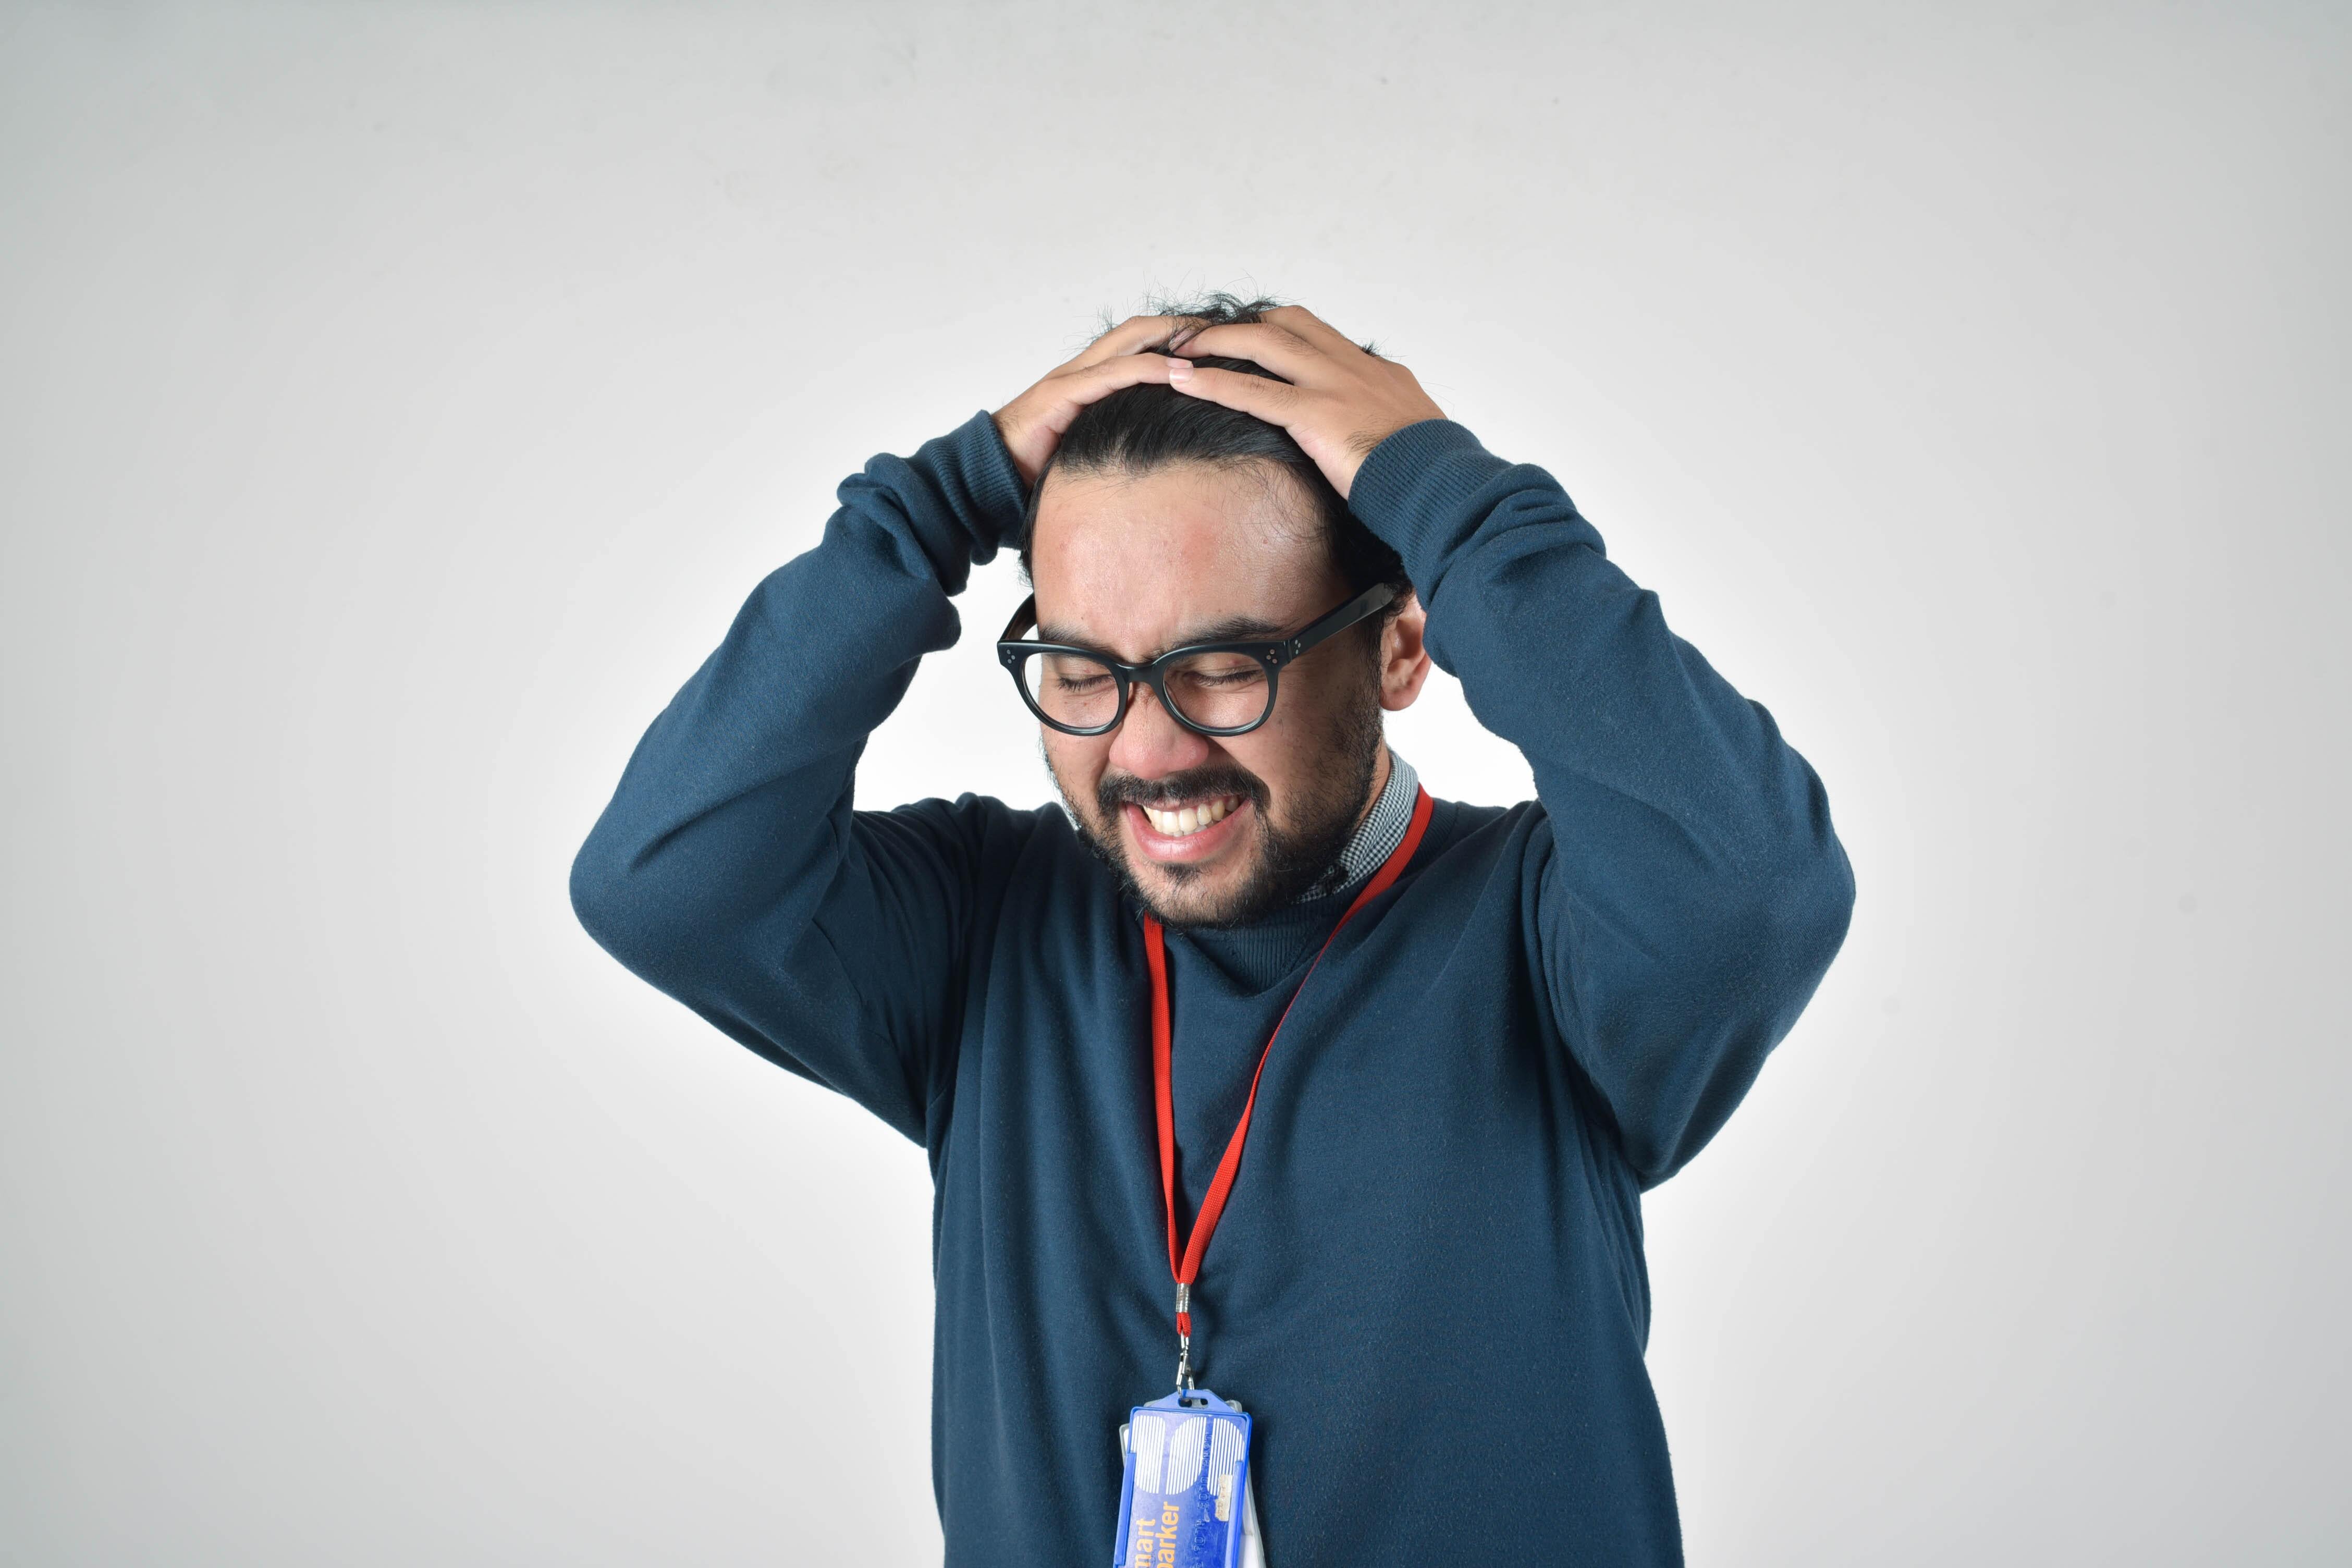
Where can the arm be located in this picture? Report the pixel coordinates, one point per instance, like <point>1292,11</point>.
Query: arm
<point>730,870</point>
<point>1690,892</point>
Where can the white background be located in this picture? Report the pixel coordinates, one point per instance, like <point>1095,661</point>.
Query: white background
<point>397,401</point>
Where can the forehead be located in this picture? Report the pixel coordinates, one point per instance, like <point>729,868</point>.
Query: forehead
<point>1140,563</point>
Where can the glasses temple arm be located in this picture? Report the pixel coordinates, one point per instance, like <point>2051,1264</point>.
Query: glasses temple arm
<point>1022,620</point>
<point>1376,597</point>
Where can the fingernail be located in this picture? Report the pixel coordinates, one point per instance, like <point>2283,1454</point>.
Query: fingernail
<point>1180,369</point>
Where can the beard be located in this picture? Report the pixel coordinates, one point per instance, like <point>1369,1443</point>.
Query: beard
<point>1290,855</point>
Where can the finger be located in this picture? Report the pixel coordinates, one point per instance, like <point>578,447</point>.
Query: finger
<point>1310,327</point>
<point>1091,383</point>
<point>1191,328</point>
<point>1315,330</point>
<point>1134,333</point>
<point>1280,351</point>
<point>1275,402</point>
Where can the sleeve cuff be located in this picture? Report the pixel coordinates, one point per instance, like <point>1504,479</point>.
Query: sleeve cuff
<point>993,496</point>
<point>1423,489</point>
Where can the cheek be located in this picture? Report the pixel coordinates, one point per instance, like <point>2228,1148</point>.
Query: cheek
<point>1078,763</point>
<point>1293,749</point>
<point>1282,750</point>
<point>1306,706</point>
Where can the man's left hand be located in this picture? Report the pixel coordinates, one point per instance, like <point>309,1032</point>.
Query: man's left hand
<point>1340,402</point>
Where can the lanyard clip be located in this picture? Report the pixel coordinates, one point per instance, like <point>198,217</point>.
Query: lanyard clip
<point>1183,1338</point>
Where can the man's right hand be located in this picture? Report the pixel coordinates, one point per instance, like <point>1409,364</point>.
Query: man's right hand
<point>1032,423</point>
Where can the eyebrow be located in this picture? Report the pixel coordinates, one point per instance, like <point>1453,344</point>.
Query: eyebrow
<point>1238,629</point>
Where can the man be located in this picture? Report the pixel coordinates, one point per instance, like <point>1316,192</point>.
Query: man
<point>1408,1063</point>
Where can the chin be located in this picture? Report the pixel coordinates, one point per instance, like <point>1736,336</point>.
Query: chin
<point>1177,892</point>
<point>1186,899</point>
<point>1183,895</point>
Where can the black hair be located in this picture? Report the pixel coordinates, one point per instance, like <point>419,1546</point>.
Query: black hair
<point>1138,429</point>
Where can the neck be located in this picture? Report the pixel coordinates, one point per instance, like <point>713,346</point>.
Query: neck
<point>1380,783</point>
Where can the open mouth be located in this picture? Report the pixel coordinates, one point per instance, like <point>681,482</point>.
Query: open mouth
<point>1186,820</point>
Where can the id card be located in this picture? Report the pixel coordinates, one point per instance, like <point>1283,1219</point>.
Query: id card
<point>1185,1501</point>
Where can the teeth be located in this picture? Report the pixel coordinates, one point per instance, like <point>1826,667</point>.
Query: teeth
<point>1191,819</point>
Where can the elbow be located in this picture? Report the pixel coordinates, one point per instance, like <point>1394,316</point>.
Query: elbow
<point>600,894</point>
<point>670,906</point>
<point>1825,878</point>
<point>621,907</point>
<point>1792,924</point>
<point>1796,891</point>
<point>1764,956</point>
<point>1797,897</point>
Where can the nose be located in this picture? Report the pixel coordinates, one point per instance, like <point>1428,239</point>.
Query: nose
<point>1150,744</point>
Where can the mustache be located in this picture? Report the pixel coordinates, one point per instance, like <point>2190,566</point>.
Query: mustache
<point>1115,789</point>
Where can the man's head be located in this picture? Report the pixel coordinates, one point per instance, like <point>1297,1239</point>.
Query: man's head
<point>1164,521</point>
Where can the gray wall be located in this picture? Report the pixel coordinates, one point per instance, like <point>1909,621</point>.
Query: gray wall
<point>395,403</point>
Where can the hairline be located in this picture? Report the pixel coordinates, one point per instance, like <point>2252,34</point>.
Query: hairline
<point>1275,476</point>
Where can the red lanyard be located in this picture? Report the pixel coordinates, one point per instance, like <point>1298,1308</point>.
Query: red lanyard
<point>1184,1262</point>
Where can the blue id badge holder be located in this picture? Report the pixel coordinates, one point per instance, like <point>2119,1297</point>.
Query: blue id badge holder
<point>1186,1500</point>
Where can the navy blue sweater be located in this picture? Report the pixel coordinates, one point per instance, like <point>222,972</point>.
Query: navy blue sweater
<point>1429,1287</point>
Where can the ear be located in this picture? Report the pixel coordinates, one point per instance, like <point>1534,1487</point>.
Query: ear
<point>1404,659</point>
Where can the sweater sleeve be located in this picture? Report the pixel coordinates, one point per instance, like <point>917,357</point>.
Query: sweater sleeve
<point>1689,892</point>
<point>730,868</point>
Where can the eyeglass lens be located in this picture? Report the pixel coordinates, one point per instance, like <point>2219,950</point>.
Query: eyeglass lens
<point>1214,690</point>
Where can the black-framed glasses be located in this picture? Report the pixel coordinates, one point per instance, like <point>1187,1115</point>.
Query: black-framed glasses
<point>1212,687</point>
